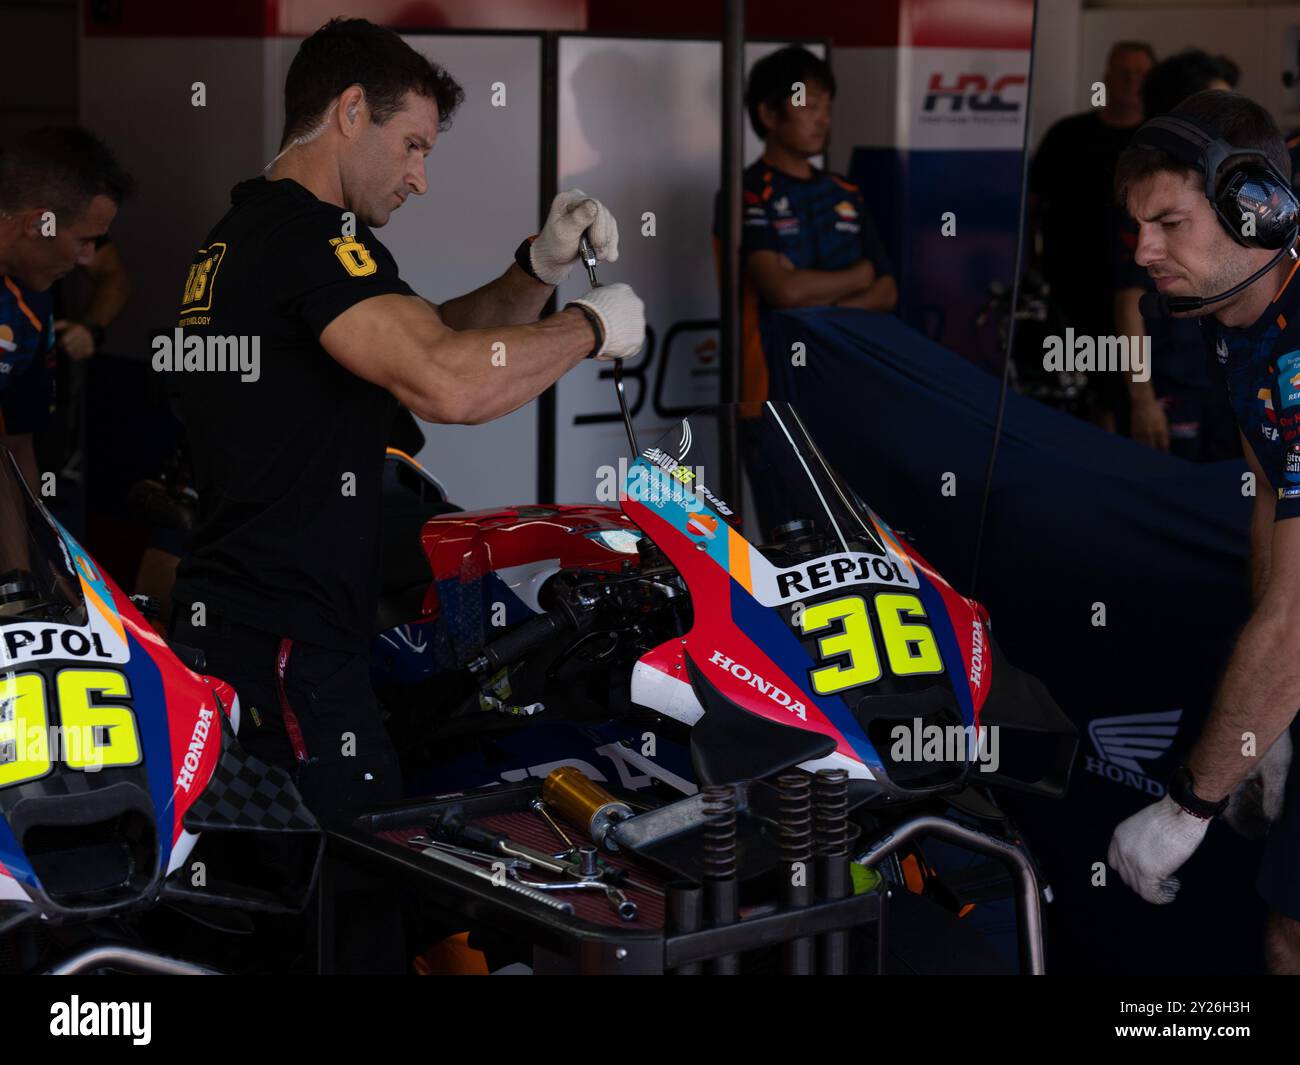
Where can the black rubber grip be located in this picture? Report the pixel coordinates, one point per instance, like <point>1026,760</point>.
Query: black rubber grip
<point>519,642</point>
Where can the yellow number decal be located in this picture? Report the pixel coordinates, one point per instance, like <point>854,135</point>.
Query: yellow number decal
<point>96,734</point>
<point>24,729</point>
<point>354,256</point>
<point>910,647</point>
<point>854,640</point>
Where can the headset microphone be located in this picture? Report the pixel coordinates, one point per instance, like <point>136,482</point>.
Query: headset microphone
<point>1158,305</point>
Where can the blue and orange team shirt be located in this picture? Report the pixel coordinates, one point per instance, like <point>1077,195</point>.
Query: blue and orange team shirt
<point>818,223</point>
<point>26,358</point>
<point>1261,365</point>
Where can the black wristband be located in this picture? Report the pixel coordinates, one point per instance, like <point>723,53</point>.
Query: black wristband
<point>593,320</point>
<point>523,256</point>
<point>1182,791</point>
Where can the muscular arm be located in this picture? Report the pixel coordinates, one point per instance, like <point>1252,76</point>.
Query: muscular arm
<point>514,298</point>
<point>781,285</point>
<point>402,344</point>
<point>1261,687</point>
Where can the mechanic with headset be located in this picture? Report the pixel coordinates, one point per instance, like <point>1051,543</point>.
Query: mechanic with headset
<point>1209,185</point>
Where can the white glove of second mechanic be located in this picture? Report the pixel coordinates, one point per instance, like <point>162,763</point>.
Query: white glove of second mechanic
<point>1148,848</point>
<point>619,316</point>
<point>554,252</point>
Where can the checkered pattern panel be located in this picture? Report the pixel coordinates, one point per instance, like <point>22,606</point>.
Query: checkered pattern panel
<point>246,793</point>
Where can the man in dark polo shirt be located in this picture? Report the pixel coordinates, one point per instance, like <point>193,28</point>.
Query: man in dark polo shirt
<point>807,237</point>
<point>1235,258</point>
<point>296,346</point>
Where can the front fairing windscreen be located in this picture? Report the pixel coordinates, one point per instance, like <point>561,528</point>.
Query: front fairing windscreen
<point>37,578</point>
<point>815,581</point>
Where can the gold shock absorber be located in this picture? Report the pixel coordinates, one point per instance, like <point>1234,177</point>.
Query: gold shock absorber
<point>584,803</point>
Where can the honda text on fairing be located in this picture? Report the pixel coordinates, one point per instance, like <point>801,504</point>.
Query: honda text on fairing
<point>119,765</point>
<point>828,642</point>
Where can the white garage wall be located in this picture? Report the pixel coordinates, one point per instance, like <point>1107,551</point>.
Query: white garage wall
<point>641,128</point>
<point>136,94</point>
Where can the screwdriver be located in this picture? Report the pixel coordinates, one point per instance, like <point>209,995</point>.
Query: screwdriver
<point>588,256</point>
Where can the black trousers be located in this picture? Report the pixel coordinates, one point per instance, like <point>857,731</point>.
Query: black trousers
<point>312,711</point>
<point>308,709</point>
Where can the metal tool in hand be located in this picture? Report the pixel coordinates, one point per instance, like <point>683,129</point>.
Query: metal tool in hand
<point>588,256</point>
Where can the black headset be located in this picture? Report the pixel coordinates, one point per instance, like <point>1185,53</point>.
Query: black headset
<point>1253,188</point>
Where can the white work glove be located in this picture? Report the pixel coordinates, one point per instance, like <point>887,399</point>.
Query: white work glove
<point>621,315</point>
<point>1256,802</point>
<point>555,251</point>
<point>1148,848</point>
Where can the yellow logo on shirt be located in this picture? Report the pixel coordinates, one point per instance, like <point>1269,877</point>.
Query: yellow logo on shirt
<point>202,279</point>
<point>353,255</point>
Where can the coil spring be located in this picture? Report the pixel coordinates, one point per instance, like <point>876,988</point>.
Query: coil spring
<point>794,803</point>
<point>831,811</point>
<point>719,832</point>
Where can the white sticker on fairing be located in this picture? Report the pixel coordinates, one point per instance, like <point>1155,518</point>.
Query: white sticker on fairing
<point>22,643</point>
<point>774,586</point>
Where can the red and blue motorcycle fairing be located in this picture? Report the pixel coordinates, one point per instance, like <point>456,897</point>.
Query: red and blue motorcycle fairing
<point>116,760</point>
<point>786,662</point>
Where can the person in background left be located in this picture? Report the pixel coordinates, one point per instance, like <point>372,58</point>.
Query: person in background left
<point>60,189</point>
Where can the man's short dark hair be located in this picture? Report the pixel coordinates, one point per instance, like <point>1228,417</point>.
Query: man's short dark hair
<point>1131,46</point>
<point>771,78</point>
<point>1229,116</point>
<point>353,51</point>
<point>59,169</point>
<point>1173,80</point>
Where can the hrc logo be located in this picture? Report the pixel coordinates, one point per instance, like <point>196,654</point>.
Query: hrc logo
<point>202,279</point>
<point>975,91</point>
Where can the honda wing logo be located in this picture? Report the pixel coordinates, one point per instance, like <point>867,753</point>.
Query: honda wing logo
<point>1123,743</point>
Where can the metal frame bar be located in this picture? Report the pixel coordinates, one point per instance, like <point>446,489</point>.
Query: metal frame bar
<point>140,961</point>
<point>1029,923</point>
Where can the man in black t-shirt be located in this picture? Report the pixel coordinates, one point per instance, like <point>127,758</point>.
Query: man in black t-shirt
<point>1071,184</point>
<point>296,343</point>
